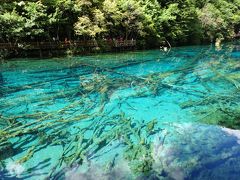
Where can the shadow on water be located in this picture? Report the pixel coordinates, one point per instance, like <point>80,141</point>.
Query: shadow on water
<point>4,176</point>
<point>36,171</point>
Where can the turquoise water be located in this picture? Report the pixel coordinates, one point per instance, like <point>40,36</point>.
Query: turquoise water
<point>134,115</point>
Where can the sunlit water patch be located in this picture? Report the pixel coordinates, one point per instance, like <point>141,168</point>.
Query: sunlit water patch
<point>136,115</point>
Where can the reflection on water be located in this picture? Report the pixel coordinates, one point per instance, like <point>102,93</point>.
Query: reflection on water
<point>145,115</point>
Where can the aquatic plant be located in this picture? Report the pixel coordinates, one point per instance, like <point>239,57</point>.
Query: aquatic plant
<point>223,108</point>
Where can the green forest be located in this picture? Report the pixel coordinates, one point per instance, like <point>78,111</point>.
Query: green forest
<point>179,22</point>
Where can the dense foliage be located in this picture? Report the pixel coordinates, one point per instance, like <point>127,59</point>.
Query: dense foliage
<point>151,21</point>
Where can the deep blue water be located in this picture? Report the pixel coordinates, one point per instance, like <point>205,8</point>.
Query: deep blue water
<point>135,115</point>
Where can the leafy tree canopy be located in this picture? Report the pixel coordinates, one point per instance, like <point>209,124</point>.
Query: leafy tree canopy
<point>151,21</point>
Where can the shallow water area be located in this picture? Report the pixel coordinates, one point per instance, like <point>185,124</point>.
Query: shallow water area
<point>135,115</point>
